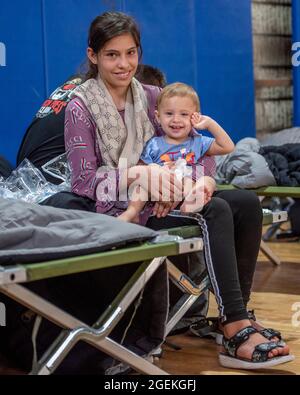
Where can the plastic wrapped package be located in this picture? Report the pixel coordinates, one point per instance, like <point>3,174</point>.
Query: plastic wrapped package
<point>58,168</point>
<point>27,183</point>
<point>181,169</point>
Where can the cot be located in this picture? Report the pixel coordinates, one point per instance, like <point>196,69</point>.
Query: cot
<point>270,191</point>
<point>151,254</point>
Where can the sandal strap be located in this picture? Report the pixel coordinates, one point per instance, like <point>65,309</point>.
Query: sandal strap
<point>269,333</point>
<point>205,326</point>
<point>261,351</point>
<point>232,344</point>
<point>251,315</point>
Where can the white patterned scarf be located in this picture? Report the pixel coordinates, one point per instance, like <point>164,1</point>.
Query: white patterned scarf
<point>117,140</point>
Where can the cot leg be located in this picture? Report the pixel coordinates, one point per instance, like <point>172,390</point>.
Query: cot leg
<point>269,253</point>
<point>55,355</point>
<point>191,291</point>
<point>94,336</point>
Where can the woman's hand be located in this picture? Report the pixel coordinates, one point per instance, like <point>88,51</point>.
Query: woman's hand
<point>162,209</point>
<point>159,182</point>
<point>199,195</point>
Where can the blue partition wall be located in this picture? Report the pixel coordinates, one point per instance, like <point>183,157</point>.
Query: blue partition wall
<point>206,43</point>
<point>22,79</point>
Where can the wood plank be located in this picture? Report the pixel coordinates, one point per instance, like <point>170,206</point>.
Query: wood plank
<point>273,114</point>
<point>271,19</point>
<point>273,2</point>
<point>272,51</point>
<point>282,279</point>
<point>269,72</point>
<point>272,29</point>
<point>272,93</point>
<point>273,82</point>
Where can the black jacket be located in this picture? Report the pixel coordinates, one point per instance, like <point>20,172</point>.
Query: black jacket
<point>284,162</point>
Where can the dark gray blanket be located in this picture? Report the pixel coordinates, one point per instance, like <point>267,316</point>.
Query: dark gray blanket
<point>33,233</point>
<point>284,163</point>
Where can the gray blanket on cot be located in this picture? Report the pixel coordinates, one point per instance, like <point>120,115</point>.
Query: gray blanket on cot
<point>33,233</point>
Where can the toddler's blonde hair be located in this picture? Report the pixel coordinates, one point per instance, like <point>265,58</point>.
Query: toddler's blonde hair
<point>178,89</point>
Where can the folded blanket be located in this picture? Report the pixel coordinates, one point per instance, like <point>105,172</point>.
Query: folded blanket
<point>244,167</point>
<point>33,233</point>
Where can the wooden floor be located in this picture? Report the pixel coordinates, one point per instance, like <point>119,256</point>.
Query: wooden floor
<point>276,292</point>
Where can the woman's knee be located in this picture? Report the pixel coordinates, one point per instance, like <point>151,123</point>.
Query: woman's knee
<point>249,199</point>
<point>71,201</point>
<point>219,204</point>
<point>219,207</point>
<point>249,203</point>
<point>244,202</point>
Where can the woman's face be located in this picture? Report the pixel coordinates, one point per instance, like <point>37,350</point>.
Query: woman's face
<point>117,61</point>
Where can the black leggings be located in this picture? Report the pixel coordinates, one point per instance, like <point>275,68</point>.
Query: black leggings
<point>231,224</point>
<point>247,219</point>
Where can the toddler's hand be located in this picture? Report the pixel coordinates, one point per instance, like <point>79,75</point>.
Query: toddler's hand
<point>200,122</point>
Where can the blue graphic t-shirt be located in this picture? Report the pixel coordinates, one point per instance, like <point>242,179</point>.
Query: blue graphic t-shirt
<point>157,150</point>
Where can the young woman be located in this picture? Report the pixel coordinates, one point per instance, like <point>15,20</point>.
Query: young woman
<point>107,124</point>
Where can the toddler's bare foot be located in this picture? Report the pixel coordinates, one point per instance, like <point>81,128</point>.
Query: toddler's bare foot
<point>125,217</point>
<point>128,217</point>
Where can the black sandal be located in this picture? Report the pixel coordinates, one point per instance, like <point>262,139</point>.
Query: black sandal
<point>260,358</point>
<point>209,327</point>
<point>206,327</point>
<point>268,333</point>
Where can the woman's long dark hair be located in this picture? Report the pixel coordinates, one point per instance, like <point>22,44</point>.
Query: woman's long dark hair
<point>107,26</point>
